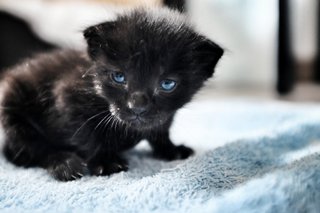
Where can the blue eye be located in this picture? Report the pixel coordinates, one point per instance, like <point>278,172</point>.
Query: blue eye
<point>168,85</point>
<point>118,77</point>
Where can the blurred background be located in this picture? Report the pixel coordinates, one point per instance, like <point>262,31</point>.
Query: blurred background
<point>271,45</point>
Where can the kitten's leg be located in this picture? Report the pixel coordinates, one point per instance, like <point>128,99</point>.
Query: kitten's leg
<point>19,153</point>
<point>24,116</point>
<point>61,165</point>
<point>107,165</point>
<point>26,145</point>
<point>65,166</point>
<point>163,148</point>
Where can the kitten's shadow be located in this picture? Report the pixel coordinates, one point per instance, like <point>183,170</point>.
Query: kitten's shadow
<point>142,163</point>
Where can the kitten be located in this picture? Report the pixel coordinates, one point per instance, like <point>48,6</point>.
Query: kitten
<point>74,112</point>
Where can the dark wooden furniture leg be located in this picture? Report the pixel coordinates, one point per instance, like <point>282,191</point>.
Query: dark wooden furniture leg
<point>286,73</point>
<point>175,4</point>
<point>317,67</point>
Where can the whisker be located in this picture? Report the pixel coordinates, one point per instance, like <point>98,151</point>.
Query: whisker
<point>89,119</point>
<point>102,120</point>
<point>108,120</point>
<point>19,152</point>
<point>105,123</point>
<point>112,122</point>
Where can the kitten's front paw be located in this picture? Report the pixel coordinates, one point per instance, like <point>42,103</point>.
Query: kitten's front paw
<point>70,168</point>
<point>178,152</point>
<point>109,167</point>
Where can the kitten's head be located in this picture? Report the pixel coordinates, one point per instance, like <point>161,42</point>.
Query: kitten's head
<point>149,64</point>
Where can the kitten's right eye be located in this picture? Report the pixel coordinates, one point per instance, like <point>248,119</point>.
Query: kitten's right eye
<point>118,77</point>
<point>167,85</point>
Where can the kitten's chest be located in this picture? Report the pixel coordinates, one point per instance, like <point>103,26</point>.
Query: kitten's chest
<point>122,139</point>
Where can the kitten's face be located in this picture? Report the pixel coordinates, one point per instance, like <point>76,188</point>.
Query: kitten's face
<point>141,99</point>
<point>147,72</point>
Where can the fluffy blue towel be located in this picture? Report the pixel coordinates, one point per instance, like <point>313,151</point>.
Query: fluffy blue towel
<point>251,157</point>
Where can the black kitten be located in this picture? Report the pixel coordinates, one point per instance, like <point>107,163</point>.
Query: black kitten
<point>72,112</point>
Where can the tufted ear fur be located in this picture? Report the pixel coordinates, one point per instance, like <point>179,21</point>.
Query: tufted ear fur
<point>97,37</point>
<point>207,55</point>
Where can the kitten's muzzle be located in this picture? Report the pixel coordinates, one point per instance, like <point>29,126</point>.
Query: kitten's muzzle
<point>138,110</point>
<point>139,103</point>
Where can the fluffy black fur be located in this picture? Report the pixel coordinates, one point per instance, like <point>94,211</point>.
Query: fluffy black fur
<point>63,111</point>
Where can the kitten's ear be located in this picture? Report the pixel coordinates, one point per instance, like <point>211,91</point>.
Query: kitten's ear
<point>97,37</point>
<point>208,54</point>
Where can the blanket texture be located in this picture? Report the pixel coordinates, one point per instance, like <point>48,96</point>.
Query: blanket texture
<point>250,157</point>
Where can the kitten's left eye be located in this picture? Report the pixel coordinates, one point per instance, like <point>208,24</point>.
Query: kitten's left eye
<point>168,85</point>
<point>118,77</point>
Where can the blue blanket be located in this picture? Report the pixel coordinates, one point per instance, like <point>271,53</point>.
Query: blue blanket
<point>250,157</point>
